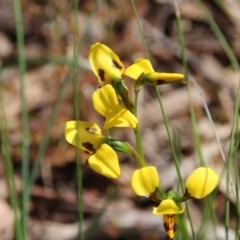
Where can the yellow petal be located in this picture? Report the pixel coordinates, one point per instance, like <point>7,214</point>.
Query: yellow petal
<point>140,66</point>
<point>84,135</point>
<point>201,182</point>
<point>105,102</point>
<point>169,223</point>
<point>163,78</point>
<point>167,206</point>
<point>145,181</point>
<point>120,117</point>
<point>105,63</point>
<point>105,162</point>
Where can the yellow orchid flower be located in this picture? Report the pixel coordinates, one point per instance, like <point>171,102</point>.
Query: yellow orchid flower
<point>106,103</point>
<point>143,66</point>
<point>87,137</point>
<point>105,64</point>
<point>145,181</point>
<point>201,182</point>
<point>168,208</point>
<point>108,68</point>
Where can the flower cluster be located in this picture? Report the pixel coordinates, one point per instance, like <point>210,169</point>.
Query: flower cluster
<point>113,101</point>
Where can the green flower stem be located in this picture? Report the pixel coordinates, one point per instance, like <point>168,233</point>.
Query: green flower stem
<point>137,130</point>
<point>174,155</point>
<point>170,139</point>
<point>139,142</point>
<point>140,161</point>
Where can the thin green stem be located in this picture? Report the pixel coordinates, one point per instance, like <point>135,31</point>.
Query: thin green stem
<point>76,100</point>
<point>76,96</point>
<point>170,140</point>
<point>208,214</point>
<point>163,113</point>
<point>183,226</point>
<point>139,141</point>
<point>60,60</point>
<point>185,65</point>
<point>97,219</point>
<point>175,159</point>
<point>10,182</point>
<point>215,28</point>
<point>135,102</point>
<point>137,130</point>
<point>24,113</point>
<point>140,30</point>
<point>192,113</point>
<point>46,137</point>
<point>236,167</point>
<point>8,166</point>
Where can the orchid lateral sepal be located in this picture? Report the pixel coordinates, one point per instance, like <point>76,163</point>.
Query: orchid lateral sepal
<point>151,77</point>
<point>122,91</point>
<point>155,78</point>
<point>201,182</point>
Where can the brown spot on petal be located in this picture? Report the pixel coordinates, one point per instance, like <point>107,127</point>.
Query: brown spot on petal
<point>88,146</point>
<point>170,225</point>
<point>161,82</point>
<point>101,74</point>
<point>91,130</point>
<point>115,64</point>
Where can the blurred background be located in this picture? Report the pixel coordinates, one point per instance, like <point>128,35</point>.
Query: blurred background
<point>50,29</point>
